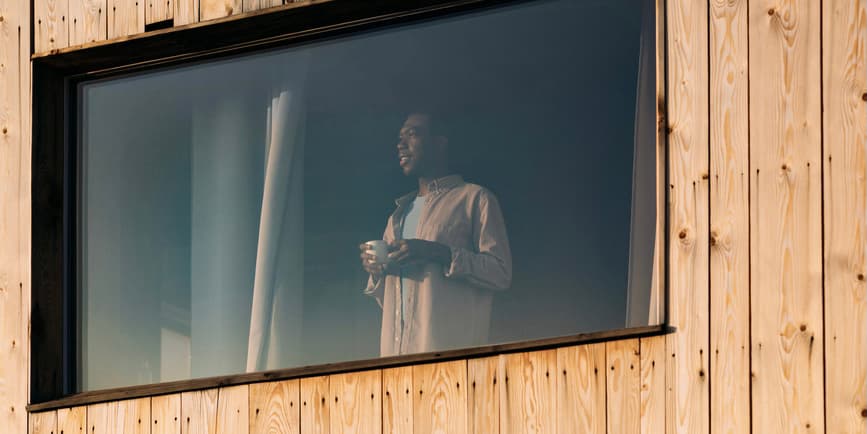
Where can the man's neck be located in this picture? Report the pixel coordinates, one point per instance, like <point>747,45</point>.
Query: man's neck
<point>424,181</point>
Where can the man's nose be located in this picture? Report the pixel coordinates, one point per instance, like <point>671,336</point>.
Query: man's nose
<point>401,144</point>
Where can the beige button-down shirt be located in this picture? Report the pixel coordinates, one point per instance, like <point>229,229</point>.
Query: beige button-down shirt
<point>446,308</point>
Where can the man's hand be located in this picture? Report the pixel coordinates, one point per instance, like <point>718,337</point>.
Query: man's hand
<point>414,251</point>
<point>369,263</point>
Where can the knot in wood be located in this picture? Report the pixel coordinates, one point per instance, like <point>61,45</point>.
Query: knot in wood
<point>771,11</point>
<point>864,412</point>
<point>682,234</point>
<point>863,95</point>
<point>803,327</point>
<point>861,276</point>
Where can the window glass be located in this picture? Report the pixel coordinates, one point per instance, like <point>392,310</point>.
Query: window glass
<point>504,159</point>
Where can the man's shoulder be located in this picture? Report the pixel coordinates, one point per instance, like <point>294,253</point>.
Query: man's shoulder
<point>471,190</point>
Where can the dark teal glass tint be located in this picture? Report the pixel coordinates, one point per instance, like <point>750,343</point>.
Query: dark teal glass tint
<point>222,204</point>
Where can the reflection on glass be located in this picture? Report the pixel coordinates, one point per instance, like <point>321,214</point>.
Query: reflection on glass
<point>478,179</point>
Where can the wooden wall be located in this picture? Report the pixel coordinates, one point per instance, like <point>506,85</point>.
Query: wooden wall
<point>767,129</point>
<point>566,390</point>
<point>60,24</point>
<point>14,213</point>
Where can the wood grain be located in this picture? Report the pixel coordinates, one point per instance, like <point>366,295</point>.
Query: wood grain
<point>100,417</point>
<point>87,21</point>
<point>212,9</point>
<point>623,386</point>
<point>159,10</point>
<point>253,5</point>
<point>440,398</point>
<point>166,414</point>
<point>130,416</point>
<point>688,391</point>
<point>729,218</point>
<point>233,410</point>
<point>785,217</point>
<point>185,12</point>
<point>125,17</point>
<point>275,407</point>
<point>357,402</point>
<point>315,406</point>
<point>581,388</point>
<point>483,412</point>
<point>14,213</point>
<point>72,420</point>
<point>397,394</point>
<point>652,384</point>
<point>43,423</point>
<point>199,412</point>
<point>51,31</point>
<point>844,71</point>
<point>529,393</point>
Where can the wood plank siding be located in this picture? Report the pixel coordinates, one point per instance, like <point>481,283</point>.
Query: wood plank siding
<point>763,116</point>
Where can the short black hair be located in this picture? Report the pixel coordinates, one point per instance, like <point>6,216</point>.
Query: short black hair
<point>438,121</point>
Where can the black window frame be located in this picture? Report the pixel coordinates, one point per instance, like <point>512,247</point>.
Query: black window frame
<point>56,75</point>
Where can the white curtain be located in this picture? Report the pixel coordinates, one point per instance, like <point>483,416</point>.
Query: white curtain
<point>226,158</point>
<point>276,314</point>
<point>642,309</point>
<point>247,217</point>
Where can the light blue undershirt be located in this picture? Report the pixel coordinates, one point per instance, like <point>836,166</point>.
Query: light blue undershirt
<point>410,225</point>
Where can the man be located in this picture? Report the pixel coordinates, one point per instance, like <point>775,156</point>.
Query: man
<point>448,252</point>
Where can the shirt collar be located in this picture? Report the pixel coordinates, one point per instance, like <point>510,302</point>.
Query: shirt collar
<point>436,186</point>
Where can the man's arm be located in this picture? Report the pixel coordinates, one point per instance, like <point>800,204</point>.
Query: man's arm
<point>489,264</point>
<point>376,281</point>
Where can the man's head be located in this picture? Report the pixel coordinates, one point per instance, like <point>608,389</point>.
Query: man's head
<point>423,145</point>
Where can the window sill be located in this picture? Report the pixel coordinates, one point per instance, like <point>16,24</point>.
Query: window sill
<point>97,396</point>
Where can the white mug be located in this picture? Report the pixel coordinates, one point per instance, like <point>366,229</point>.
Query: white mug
<point>379,249</point>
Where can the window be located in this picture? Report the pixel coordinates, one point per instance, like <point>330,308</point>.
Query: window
<point>506,156</point>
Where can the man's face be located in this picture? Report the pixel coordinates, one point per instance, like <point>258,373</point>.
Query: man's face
<point>415,145</point>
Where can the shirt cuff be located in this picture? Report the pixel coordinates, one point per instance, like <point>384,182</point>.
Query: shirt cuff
<point>372,285</point>
<point>458,266</point>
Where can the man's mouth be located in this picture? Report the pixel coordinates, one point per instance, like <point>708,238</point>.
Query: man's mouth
<point>404,159</point>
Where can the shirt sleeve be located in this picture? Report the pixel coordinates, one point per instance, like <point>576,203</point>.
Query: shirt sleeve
<point>489,264</point>
<point>376,286</point>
